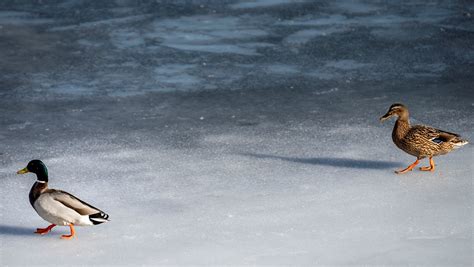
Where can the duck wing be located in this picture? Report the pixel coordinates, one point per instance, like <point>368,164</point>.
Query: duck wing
<point>73,202</point>
<point>434,135</point>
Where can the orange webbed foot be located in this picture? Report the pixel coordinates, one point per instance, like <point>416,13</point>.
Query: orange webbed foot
<point>43,231</point>
<point>429,168</point>
<point>409,168</point>
<point>73,233</point>
<point>67,237</point>
<point>403,171</point>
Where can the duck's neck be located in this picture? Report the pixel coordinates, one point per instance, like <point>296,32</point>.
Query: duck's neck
<point>401,128</point>
<point>36,190</point>
<point>42,176</point>
<point>39,186</point>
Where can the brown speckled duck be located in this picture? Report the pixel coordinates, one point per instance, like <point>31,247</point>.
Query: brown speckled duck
<point>419,140</point>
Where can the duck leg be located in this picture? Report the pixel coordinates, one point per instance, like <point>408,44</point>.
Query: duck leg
<point>73,233</point>
<point>409,168</point>
<point>429,168</point>
<point>46,230</point>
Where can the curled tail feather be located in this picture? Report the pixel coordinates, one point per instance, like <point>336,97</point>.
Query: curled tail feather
<point>99,217</point>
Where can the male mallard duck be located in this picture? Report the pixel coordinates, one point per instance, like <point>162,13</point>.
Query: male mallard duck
<point>419,140</point>
<point>59,207</point>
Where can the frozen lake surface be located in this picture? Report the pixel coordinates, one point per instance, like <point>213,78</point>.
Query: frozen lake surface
<point>238,132</point>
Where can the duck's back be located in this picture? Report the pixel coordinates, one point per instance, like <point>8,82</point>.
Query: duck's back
<point>62,208</point>
<point>424,141</point>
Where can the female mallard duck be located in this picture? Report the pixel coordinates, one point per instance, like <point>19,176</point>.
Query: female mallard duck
<point>59,207</point>
<point>419,140</point>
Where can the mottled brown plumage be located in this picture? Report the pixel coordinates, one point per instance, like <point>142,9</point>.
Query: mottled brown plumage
<point>419,140</point>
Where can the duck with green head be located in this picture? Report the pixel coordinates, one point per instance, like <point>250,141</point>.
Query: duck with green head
<point>419,140</point>
<point>59,207</point>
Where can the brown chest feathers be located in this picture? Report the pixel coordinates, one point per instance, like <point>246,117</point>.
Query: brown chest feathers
<point>36,190</point>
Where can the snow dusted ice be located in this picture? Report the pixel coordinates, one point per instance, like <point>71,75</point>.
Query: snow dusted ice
<point>238,132</point>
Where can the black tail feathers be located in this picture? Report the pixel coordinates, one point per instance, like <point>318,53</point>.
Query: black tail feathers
<point>98,218</point>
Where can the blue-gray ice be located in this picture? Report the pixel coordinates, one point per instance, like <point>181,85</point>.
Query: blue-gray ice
<point>236,132</point>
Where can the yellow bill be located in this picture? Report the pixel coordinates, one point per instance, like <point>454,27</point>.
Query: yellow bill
<point>23,171</point>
